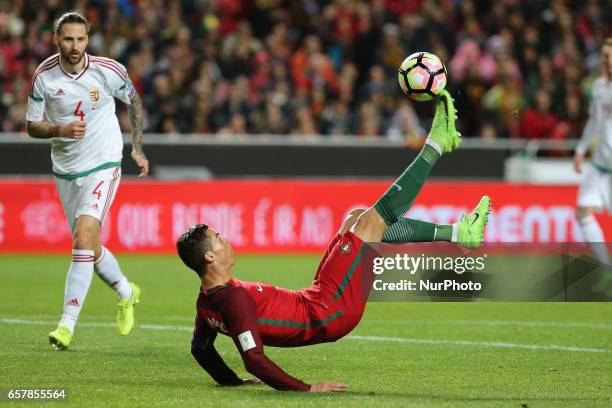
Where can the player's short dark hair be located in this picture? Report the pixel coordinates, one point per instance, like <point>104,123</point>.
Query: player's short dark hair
<point>192,246</point>
<point>70,18</point>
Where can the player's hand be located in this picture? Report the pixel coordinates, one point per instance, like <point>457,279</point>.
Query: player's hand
<point>578,159</point>
<point>74,130</point>
<point>142,162</point>
<point>328,386</point>
<point>251,381</point>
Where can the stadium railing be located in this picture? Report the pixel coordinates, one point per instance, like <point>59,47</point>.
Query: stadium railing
<point>207,156</point>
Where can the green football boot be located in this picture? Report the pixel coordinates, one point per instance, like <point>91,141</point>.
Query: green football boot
<point>60,338</point>
<point>471,227</point>
<point>443,133</point>
<point>125,311</point>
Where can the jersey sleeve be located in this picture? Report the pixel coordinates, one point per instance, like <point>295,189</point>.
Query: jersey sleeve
<point>119,82</point>
<point>240,317</point>
<point>203,350</point>
<point>203,337</point>
<point>36,101</point>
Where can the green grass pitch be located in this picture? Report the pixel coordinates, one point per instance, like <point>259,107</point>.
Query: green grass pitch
<point>402,354</point>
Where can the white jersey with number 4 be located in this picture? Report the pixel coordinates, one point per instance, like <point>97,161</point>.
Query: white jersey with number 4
<point>599,126</point>
<point>88,96</point>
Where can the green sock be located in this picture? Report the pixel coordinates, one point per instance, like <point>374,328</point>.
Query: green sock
<point>409,230</point>
<point>402,193</point>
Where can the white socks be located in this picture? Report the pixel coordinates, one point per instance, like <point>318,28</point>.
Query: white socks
<point>594,236</point>
<point>77,284</point>
<point>108,270</point>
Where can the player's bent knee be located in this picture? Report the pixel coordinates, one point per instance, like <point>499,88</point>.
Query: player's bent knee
<point>370,226</point>
<point>369,219</point>
<point>350,220</point>
<point>83,240</point>
<point>86,234</point>
<point>356,212</point>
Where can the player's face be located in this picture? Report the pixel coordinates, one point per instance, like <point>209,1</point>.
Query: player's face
<point>221,247</point>
<point>72,40</point>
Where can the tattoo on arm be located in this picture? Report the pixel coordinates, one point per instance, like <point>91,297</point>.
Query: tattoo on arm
<point>136,112</point>
<point>42,130</point>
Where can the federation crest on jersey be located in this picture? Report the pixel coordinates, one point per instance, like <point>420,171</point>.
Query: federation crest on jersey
<point>345,247</point>
<point>94,94</point>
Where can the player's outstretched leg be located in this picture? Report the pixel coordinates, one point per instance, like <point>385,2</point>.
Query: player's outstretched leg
<point>471,227</point>
<point>411,230</point>
<point>443,131</point>
<point>107,268</point>
<point>443,138</point>
<point>468,232</point>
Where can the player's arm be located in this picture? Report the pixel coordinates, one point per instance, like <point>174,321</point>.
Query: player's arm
<point>39,128</point>
<point>241,319</point>
<point>238,310</point>
<point>587,137</point>
<point>123,89</point>
<point>136,112</point>
<point>45,130</point>
<point>204,352</point>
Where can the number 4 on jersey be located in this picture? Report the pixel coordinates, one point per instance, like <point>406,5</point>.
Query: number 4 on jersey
<point>78,112</point>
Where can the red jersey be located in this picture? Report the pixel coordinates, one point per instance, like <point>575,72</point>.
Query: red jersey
<point>284,318</point>
<point>258,314</point>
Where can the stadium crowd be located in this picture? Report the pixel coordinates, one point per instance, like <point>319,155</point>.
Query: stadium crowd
<point>518,68</point>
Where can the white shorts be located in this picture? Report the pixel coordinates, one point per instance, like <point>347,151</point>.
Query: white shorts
<point>595,189</point>
<point>91,195</point>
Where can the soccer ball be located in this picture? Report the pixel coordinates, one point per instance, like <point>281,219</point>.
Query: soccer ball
<point>422,76</point>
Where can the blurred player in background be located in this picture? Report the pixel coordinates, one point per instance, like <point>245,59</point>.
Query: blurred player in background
<point>594,192</point>
<point>258,314</point>
<point>71,101</point>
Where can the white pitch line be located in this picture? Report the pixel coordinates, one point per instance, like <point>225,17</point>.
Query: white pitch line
<point>480,344</point>
<point>92,324</point>
<point>518,323</point>
<point>362,338</point>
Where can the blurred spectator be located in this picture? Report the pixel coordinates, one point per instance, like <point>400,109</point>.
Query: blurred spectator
<point>538,122</point>
<point>369,122</point>
<point>311,67</point>
<point>236,126</point>
<point>504,100</point>
<point>336,119</point>
<point>329,67</point>
<point>488,131</point>
<point>405,126</point>
<point>305,124</point>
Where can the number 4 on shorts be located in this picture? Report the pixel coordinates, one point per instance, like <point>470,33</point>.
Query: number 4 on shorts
<point>96,191</point>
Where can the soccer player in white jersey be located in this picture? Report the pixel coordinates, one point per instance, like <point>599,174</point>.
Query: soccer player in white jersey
<point>71,102</point>
<point>594,192</point>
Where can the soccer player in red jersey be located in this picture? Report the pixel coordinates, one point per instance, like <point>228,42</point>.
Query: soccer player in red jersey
<point>258,314</point>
